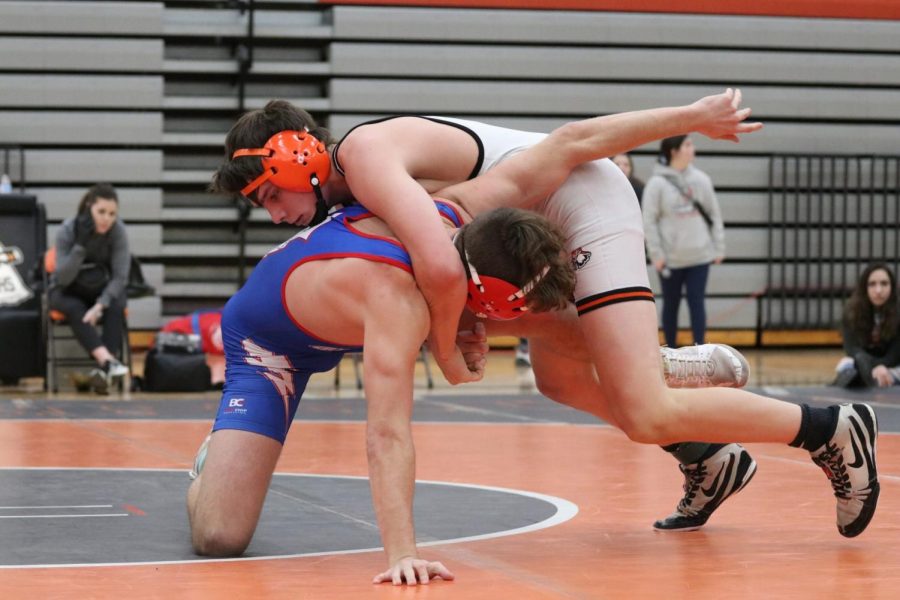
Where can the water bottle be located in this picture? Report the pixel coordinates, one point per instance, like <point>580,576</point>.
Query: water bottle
<point>5,184</point>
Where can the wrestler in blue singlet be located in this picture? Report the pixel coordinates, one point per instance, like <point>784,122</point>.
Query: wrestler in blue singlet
<point>269,357</point>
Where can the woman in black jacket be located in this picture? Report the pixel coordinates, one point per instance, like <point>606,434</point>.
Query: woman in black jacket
<point>869,328</point>
<point>92,263</point>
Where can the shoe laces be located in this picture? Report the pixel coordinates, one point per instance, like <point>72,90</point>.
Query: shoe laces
<point>831,460</point>
<point>688,368</point>
<point>694,475</point>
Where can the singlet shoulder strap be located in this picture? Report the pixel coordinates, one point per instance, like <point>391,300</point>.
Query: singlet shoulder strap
<point>340,169</point>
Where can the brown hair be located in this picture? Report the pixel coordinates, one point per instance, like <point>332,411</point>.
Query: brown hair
<point>668,147</point>
<point>99,190</point>
<point>515,245</point>
<point>253,130</point>
<point>859,312</point>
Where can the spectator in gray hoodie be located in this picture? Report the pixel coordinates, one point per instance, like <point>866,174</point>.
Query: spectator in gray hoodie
<point>684,233</point>
<point>89,280</point>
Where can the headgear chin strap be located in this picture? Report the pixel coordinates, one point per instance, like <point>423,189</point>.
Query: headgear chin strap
<point>494,298</point>
<point>321,207</point>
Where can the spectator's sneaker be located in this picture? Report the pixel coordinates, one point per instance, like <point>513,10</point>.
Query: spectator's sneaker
<point>707,365</point>
<point>115,369</point>
<point>199,459</point>
<point>707,484</point>
<point>100,381</point>
<point>848,460</point>
<point>110,373</point>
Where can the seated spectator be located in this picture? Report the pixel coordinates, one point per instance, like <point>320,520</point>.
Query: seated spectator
<point>207,324</point>
<point>89,279</point>
<point>625,162</point>
<point>869,328</point>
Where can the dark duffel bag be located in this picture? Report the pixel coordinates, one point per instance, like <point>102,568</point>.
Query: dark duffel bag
<point>176,372</point>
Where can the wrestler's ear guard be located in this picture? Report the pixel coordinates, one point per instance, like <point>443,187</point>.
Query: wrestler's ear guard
<point>295,161</point>
<point>495,298</point>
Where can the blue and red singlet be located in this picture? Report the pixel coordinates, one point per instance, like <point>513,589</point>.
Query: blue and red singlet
<point>269,357</point>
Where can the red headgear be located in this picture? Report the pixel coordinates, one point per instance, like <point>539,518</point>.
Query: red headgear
<point>294,160</point>
<point>494,298</point>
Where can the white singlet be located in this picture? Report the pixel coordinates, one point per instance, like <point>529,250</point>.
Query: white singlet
<point>597,210</point>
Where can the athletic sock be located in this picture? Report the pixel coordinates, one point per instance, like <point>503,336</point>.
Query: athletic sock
<point>817,425</point>
<point>688,453</point>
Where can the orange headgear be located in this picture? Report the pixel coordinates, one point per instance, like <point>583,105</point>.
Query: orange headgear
<point>294,160</point>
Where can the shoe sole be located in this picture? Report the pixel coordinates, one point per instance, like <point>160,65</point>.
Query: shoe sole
<point>742,363</point>
<point>870,421</point>
<point>751,471</point>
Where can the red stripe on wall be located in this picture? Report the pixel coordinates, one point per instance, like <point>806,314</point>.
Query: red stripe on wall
<point>850,9</point>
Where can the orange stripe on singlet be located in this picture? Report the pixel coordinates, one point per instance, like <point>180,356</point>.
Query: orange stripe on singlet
<point>613,299</point>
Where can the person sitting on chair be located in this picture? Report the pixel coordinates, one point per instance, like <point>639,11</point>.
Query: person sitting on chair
<point>89,280</point>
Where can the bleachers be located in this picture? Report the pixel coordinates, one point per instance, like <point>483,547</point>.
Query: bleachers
<point>81,18</point>
<point>142,93</point>
<point>81,92</point>
<point>611,29</point>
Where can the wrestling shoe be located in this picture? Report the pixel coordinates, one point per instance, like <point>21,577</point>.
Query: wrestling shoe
<point>707,365</point>
<point>848,460</point>
<point>707,484</point>
<point>199,458</point>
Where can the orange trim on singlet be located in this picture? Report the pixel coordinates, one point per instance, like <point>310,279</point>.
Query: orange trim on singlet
<point>855,9</point>
<point>639,295</point>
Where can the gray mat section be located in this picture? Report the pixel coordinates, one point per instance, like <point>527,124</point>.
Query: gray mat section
<point>303,514</point>
<point>449,408</point>
<point>494,408</point>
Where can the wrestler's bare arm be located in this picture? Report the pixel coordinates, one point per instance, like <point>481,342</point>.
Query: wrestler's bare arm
<point>530,176</point>
<point>396,324</point>
<point>378,306</point>
<point>383,162</point>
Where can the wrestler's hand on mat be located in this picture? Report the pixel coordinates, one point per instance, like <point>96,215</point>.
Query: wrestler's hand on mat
<point>722,118</point>
<point>473,344</point>
<point>411,571</point>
